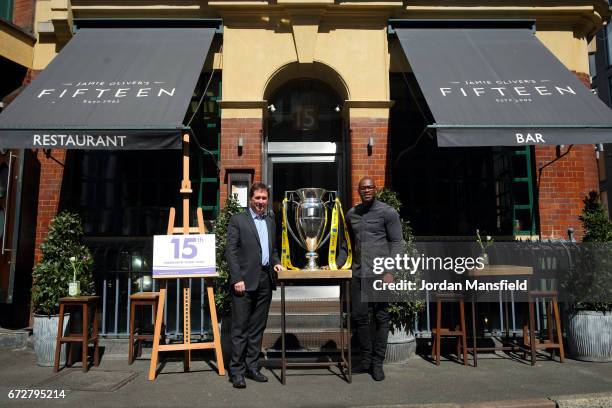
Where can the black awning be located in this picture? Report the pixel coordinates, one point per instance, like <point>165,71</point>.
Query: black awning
<point>501,87</point>
<point>111,88</point>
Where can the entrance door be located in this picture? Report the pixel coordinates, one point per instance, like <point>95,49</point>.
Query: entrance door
<point>8,168</point>
<point>304,148</point>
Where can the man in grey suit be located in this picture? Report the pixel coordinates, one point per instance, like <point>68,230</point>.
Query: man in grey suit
<point>253,261</point>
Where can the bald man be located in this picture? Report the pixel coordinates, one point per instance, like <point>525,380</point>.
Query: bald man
<point>371,222</point>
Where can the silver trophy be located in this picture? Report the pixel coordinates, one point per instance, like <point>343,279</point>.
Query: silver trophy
<point>310,219</point>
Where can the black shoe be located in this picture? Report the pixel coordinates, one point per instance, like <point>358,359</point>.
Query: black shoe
<point>238,381</point>
<point>256,375</point>
<point>377,373</point>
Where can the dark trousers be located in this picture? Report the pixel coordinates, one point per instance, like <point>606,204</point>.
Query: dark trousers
<point>249,317</point>
<point>373,345</point>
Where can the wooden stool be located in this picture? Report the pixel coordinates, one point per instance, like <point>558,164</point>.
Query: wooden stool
<point>140,299</point>
<point>84,302</point>
<point>530,342</point>
<point>439,331</point>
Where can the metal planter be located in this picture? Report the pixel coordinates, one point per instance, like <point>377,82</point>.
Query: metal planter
<point>45,337</point>
<point>401,346</point>
<point>590,336</point>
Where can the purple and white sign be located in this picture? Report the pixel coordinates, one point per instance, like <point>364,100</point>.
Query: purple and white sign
<point>186,256</point>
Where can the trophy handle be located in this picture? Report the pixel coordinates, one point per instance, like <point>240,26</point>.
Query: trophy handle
<point>324,241</point>
<point>328,204</point>
<point>292,203</point>
<point>332,197</point>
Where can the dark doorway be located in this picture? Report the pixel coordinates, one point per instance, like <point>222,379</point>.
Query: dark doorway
<point>305,147</point>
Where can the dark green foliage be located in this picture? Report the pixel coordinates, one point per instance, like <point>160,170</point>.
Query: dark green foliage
<point>590,281</point>
<point>402,312</point>
<point>51,276</point>
<point>222,285</point>
<point>390,198</point>
<point>595,222</point>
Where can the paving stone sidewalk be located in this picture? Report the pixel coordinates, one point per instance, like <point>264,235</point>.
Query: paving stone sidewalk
<point>496,382</point>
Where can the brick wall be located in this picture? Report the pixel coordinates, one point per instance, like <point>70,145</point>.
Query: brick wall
<point>365,162</point>
<point>49,188</point>
<point>250,130</point>
<point>584,78</point>
<point>23,13</point>
<point>30,75</point>
<point>564,184</point>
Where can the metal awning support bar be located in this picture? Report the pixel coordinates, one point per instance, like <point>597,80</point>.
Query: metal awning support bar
<point>461,23</point>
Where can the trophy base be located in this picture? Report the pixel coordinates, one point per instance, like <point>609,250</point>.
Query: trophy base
<point>312,264</point>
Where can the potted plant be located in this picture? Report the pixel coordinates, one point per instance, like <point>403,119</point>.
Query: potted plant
<point>74,286</point>
<point>588,284</point>
<point>64,259</point>
<point>401,344</point>
<point>223,299</point>
<point>484,244</point>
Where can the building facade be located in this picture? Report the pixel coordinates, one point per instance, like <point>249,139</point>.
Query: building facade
<point>599,64</point>
<point>303,93</point>
<point>17,41</point>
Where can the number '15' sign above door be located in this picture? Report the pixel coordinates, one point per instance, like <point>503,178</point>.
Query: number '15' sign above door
<point>306,118</point>
<point>184,256</point>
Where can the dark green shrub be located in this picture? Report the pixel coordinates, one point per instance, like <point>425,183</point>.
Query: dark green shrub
<point>595,222</point>
<point>590,281</point>
<point>222,286</point>
<point>52,274</point>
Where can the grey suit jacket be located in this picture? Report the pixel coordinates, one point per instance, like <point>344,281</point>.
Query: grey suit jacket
<point>243,251</point>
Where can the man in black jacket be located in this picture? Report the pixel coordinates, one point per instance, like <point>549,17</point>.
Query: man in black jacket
<point>376,225</point>
<point>253,261</point>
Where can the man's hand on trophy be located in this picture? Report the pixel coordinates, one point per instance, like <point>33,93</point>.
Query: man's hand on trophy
<point>239,287</point>
<point>278,268</point>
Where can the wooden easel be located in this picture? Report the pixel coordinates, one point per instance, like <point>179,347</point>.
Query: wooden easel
<point>187,345</point>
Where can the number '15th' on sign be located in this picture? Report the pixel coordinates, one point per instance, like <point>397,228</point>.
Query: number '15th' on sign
<point>184,256</point>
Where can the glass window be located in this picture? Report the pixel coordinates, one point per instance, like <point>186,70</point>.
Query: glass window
<point>129,193</point>
<point>6,10</point>
<point>305,110</point>
<point>4,170</point>
<point>592,66</point>
<point>451,192</point>
<point>124,193</point>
